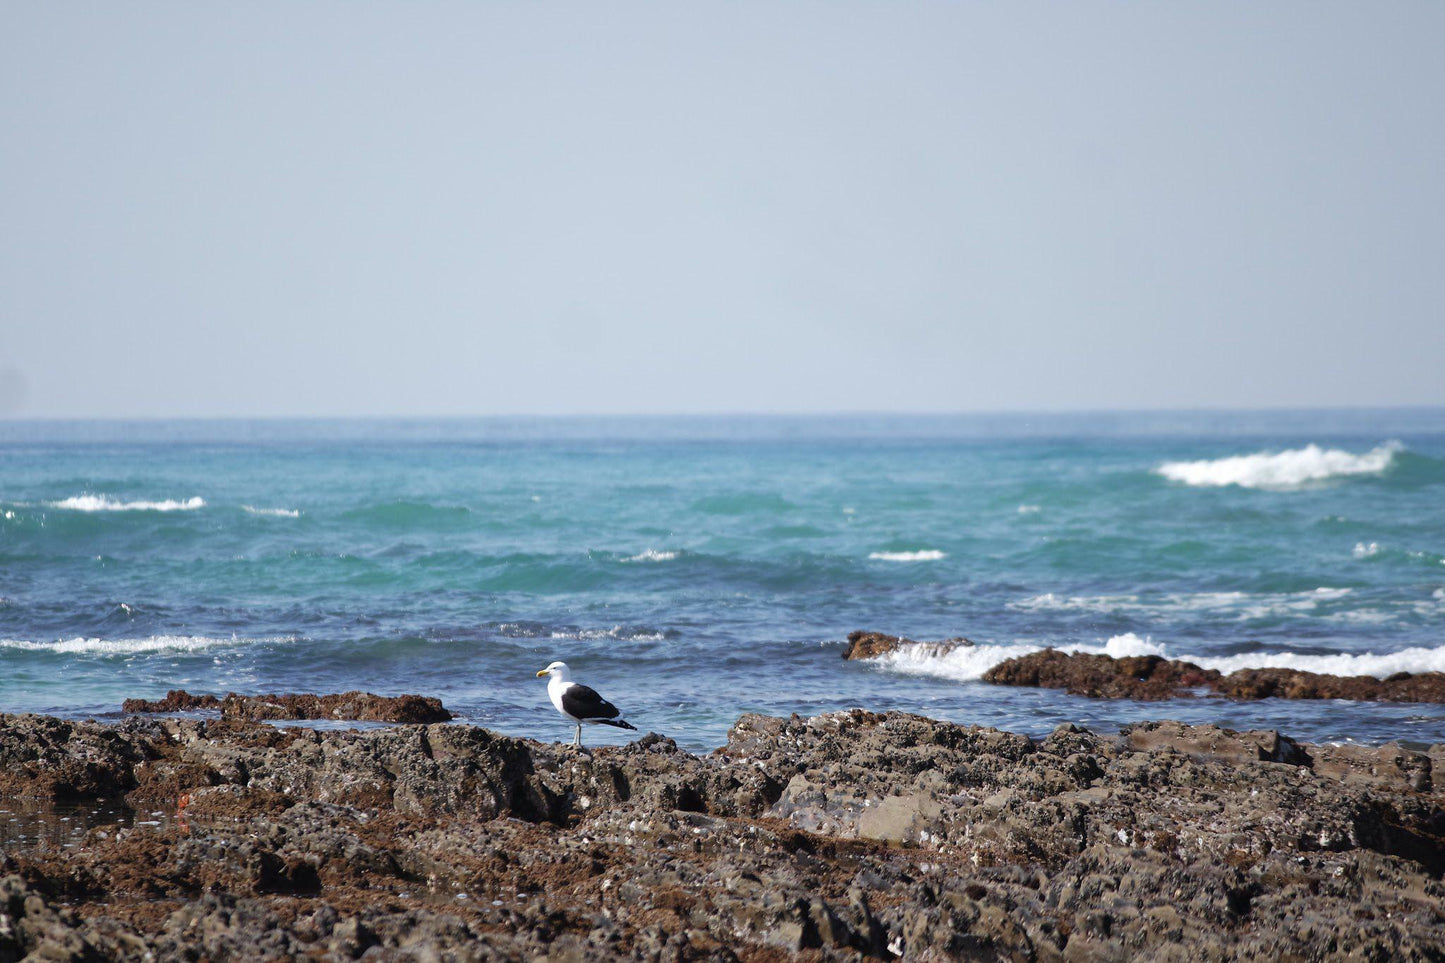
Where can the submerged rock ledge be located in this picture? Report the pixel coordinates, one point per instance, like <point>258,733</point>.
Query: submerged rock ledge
<point>847,835</point>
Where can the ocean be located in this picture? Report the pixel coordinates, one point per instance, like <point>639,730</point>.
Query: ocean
<point>696,568</point>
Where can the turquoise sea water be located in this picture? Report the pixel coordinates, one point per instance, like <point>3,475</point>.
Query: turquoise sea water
<point>693,569</point>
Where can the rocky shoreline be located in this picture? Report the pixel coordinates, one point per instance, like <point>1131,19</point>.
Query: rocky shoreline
<point>842,836</point>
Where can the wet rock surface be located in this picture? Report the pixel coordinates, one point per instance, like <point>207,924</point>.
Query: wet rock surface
<point>1102,676</point>
<point>845,836</point>
<point>1150,677</point>
<point>1296,684</point>
<point>347,706</point>
<point>870,645</point>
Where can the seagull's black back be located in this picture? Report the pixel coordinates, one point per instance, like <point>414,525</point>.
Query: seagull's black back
<point>582,702</point>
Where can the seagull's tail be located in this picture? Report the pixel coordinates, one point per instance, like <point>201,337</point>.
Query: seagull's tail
<point>619,723</point>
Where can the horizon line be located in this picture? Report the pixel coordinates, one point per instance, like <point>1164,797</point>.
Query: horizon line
<point>718,415</point>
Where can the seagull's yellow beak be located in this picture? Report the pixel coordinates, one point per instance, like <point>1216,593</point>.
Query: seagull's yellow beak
<point>542,673</point>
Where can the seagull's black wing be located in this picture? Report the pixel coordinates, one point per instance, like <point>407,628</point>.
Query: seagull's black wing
<point>581,702</point>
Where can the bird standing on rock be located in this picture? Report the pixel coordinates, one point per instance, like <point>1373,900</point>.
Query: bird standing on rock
<point>580,703</point>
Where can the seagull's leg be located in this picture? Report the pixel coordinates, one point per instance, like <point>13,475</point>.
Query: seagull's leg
<point>578,743</point>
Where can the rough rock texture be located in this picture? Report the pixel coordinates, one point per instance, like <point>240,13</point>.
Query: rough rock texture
<point>1294,684</point>
<point>1102,676</point>
<point>349,706</point>
<point>844,836</point>
<point>870,645</point>
<point>1152,677</point>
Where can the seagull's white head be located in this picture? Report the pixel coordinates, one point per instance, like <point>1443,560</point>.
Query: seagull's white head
<point>557,670</point>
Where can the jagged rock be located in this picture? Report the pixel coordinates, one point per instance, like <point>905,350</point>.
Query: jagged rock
<point>1101,676</point>
<point>1152,677</point>
<point>1295,684</point>
<point>848,834</point>
<point>870,645</point>
<point>349,706</point>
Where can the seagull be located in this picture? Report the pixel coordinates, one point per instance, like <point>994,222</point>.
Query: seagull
<point>579,703</point>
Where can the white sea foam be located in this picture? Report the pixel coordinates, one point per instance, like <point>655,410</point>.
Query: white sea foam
<point>967,663</point>
<point>154,643</point>
<point>619,632</point>
<point>1282,470</point>
<point>1242,605</point>
<point>1417,659</point>
<point>1029,509</point>
<point>104,503</point>
<point>926,555</point>
<point>275,512</point>
<point>1361,550</point>
<point>651,555</point>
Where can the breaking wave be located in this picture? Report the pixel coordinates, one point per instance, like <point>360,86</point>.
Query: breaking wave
<point>1241,605</point>
<point>652,555</point>
<point>104,503</point>
<point>1282,470</point>
<point>968,663</point>
<point>154,643</point>
<point>276,512</point>
<point>926,555</point>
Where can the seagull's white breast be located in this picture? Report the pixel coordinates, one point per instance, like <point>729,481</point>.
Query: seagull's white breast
<point>555,688</point>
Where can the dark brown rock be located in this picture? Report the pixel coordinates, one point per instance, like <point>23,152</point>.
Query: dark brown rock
<point>1295,684</point>
<point>1152,677</point>
<point>1148,677</point>
<point>176,700</point>
<point>348,706</point>
<point>870,645</point>
<point>845,836</point>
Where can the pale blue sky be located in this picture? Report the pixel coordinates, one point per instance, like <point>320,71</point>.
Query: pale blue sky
<point>492,208</point>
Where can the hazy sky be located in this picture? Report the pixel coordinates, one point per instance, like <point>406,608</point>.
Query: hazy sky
<point>433,208</point>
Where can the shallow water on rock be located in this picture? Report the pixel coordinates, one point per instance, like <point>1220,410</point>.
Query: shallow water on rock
<point>33,825</point>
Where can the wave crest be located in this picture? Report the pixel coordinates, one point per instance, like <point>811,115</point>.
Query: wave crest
<point>154,643</point>
<point>924,555</point>
<point>651,555</point>
<point>104,503</point>
<point>1282,470</point>
<point>968,663</point>
<point>275,512</point>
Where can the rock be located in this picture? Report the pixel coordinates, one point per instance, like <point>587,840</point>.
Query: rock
<point>1295,684</point>
<point>1151,677</point>
<point>350,706</point>
<point>901,819</point>
<point>853,833</point>
<point>871,645</point>
<point>1101,676</point>
<point>1215,743</point>
<point>176,700</point>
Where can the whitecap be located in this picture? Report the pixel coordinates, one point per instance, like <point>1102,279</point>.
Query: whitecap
<point>154,643</point>
<point>926,555</point>
<point>619,632</point>
<point>1415,659</point>
<point>967,663</point>
<point>1282,470</point>
<point>652,555</point>
<point>1242,605</point>
<point>1361,550</point>
<point>1030,509</point>
<point>275,512</point>
<point>104,503</point>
